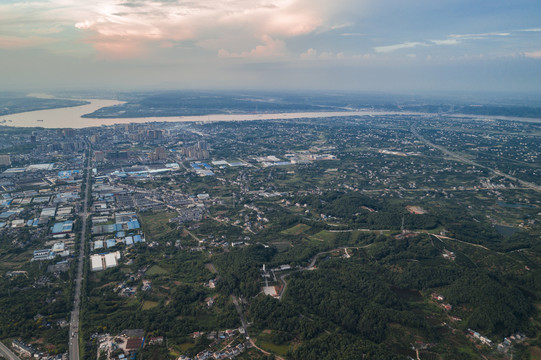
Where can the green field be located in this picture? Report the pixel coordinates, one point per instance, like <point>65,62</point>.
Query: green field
<point>296,230</point>
<point>185,346</point>
<point>156,270</point>
<point>147,305</point>
<point>324,235</point>
<point>277,349</point>
<point>281,245</point>
<point>156,225</point>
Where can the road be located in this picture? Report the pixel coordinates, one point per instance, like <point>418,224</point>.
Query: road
<point>74,318</point>
<point>312,264</point>
<point>241,315</point>
<point>461,158</point>
<point>245,327</point>
<point>8,354</point>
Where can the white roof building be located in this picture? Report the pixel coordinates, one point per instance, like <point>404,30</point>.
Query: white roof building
<point>96,262</point>
<point>59,247</point>
<point>103,262</point>
<point>111,259</point>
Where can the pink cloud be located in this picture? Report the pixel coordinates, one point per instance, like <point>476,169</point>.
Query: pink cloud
<point>155,23</point>
<point>309,54</point>
<point>533,54</point>
<point>16,42</point>
<point>118,48</point>
<point>269,48</point>
<point>292,24</point>
<point>312,54</point>
<point>129,28</point>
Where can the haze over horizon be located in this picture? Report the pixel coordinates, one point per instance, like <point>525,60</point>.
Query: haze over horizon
<point>367,45</point>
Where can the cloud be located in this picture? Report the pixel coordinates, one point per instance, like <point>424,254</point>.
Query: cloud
<point>451,40</point>
<point>269,48</point>
<point>18,42</point>
<point>531,30</point>
<point>479,36</point>
<point>352,34</point>
<point>309,54</point>
<point>137,26</point>
<point>405,45</point>
<point>445,42</point>
<point>533,54</point>
<point>312,54</point>
<point>341,26</point>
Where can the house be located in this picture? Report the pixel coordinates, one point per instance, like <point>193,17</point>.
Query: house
<point>23,349</point>
<point>62,228</point>
<point>134,343</point>
<point>44,254</point>
<point>158,340</point>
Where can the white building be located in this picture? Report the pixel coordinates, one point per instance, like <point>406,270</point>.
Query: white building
<point>104,262</point>
<point>110,260</point>
<point>96,263</point>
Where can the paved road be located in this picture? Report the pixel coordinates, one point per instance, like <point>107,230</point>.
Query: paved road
<point>241,315</point>
<point>8,354</point>
<point>461,158</point>
<point>312,264</point>
<point>74,319</point>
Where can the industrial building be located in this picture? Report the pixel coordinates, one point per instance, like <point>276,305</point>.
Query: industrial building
<point>104,261</point>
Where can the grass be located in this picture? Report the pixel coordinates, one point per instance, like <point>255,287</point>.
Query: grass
<point>185,346</point>
<point>296,230</point>
<point>132,303</point>
<point>468,350</point>
<point>147,305</point>
<point>535,352</point>
<point>156,270</point>
<point>281,245</point>
<point>277,349</point>
<point>324,235</point>
<point>125,270</point>
<point>155,225</point>
<point>15,261</point>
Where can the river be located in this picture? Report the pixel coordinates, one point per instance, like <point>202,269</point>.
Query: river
<point>71,117</point>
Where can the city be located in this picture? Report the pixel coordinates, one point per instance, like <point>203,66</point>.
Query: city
<point>270,180</point>
<point>190,240</point>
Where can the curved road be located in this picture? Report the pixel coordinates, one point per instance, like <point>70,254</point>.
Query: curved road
<point>74,319</point>
<point>312,265</point>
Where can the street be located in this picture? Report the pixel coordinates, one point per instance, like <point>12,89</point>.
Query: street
<point>8,354</point>
<point>74,318</point>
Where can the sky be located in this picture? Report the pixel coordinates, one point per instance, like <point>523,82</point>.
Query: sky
<point>393,46</point>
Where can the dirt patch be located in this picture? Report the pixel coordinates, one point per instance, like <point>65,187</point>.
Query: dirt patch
<point>535,352</point>
<point>210,267</point>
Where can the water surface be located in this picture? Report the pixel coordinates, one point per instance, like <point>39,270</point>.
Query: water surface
<point>70,117</point>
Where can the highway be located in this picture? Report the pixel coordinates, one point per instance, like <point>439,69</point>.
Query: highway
<point>8,354</point>
<point>461,158</point>
<point>74,318</point>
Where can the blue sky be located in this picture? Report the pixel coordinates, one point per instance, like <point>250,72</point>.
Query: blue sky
<point>366,45</point>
